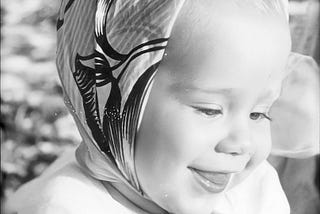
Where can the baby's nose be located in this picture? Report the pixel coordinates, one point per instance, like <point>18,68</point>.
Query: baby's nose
<point>237,142</point>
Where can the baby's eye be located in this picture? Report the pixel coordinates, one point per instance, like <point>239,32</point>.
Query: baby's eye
<point>259,116</point>
<point>208,112</point>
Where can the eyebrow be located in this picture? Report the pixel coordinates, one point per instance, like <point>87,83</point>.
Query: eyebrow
<point>186,88</point>
<point>182,87</point>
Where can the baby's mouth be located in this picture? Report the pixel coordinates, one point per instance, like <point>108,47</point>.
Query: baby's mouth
<point>214,182</point>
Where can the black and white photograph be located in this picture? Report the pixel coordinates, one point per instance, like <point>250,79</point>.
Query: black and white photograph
<point>160,107</point>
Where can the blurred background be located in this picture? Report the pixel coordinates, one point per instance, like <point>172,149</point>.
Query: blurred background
<point>35,126</point>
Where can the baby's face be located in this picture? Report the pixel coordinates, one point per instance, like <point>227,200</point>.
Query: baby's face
<point>206,125</point>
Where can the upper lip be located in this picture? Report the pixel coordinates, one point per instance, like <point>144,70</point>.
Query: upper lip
<point>215,171</point>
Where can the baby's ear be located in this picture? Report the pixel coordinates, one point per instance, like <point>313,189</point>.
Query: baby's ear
<point>295,125</point>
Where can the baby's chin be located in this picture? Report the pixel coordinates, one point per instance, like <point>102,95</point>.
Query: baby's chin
<point>237,179</point>
<point>210,205</point>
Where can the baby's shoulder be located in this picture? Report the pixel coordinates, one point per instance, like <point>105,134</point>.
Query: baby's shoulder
<point>71,186</point>
<point>67,190</point>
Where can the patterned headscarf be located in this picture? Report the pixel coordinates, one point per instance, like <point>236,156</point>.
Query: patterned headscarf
<point>108,52</point>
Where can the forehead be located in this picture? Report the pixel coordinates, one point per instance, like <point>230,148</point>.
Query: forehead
<point>222,38</point>
<point>207,21</point>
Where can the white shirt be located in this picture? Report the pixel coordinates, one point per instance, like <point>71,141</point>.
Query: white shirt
<point>65,189</point>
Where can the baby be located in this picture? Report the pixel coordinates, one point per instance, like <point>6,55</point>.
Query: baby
<point>206,126</point>
<point>172,99</point>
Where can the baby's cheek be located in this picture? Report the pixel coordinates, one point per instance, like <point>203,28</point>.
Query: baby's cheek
<point>262,144</point>
<point>184,136</point>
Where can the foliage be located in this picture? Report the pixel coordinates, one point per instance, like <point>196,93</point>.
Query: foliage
<point>35,125</point>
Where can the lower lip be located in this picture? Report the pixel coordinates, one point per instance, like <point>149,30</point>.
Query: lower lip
<point>216,184</point>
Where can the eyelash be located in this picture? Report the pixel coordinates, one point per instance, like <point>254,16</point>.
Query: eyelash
<point>208,112</point>
<point>260,116</point>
